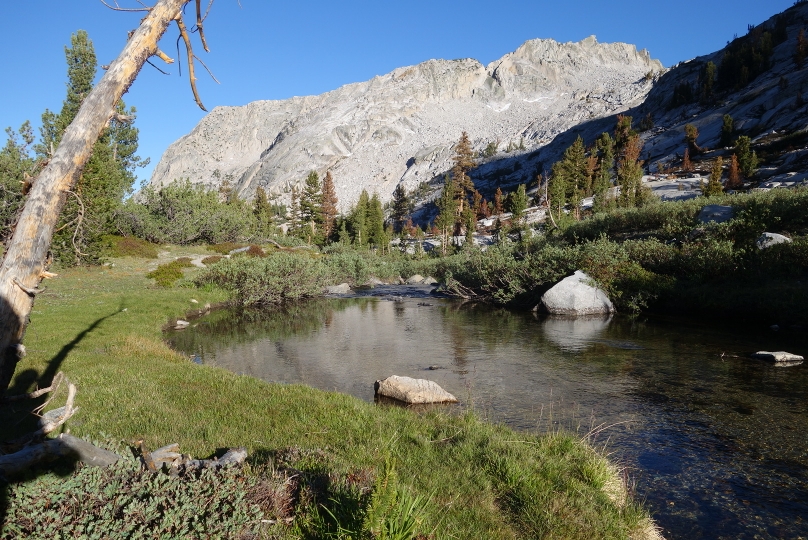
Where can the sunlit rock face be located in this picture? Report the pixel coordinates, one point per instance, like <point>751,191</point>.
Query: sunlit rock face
<point>400,128</point>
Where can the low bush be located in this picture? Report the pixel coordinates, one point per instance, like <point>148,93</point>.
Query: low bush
<point>129,246</point>
<point>225,247</point>
<point>213,259</point>
<point>167,274</point>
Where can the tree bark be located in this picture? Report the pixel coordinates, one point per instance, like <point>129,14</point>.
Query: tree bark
<point>25,259</point>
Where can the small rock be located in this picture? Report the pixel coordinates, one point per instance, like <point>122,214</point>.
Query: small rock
<point>415,280</point>
<point>433,368</point>
<point>430,281</point>
<point>411,390</point>
<point>181,325</point>
<point>194,301</point>
<point>779,358</point>
<point>342,288</point>
<point>768,240</point>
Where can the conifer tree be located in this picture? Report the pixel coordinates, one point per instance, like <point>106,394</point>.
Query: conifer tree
<point>517,202</point>
<point>622,133</point>
<point>687,165</point>
<point>447,212</point>
<point>401,207</point>
<point>375,223</point>
<point>109,173</point>
<point>329,205</point>
<point>747,158</point>
<point>734,174</point>
<point>629,175</point>
<point>691,136</point>
<point>498,208</point>
<point>263,212</point>
<point>358,218</point>
<point>727,130</point>
<point>714,186</point>
<point>463,163</point>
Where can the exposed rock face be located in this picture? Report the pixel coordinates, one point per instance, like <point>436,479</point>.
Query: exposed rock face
<point>779,358</point>
<point>716,213</point>
<point>768,240</point>
<point>574,296</point>
<point>401,127</point>
<point>411,390</point>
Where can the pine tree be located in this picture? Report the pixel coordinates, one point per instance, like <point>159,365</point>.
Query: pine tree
<point>727,130</point>
<point>357,220</point>
<point>329,205</point>
<point>629,175</point>
<point>401,207</point>
<point>498,208</point>
<point>691,135</point>
<point>463,163</point>
<point>622,133</point>
<point>747,158</point>
<point>734,176</point>
<point>262,210</point>
<point>109,173</point>
<point>517,203</point>
<point>375,223</point>
<point>447,212</point>
<point>687,165</point>
<point>714,186</point>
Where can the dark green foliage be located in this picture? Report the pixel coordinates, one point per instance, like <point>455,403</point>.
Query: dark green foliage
<point>225,247</point>
<point>682,95</point>
<point>107,176</point>
<point>517,204</point>
<point>447,212</point>
<point>121,501</point>
<point>714,186</point>
<point>727,130</point>
<point>747,158</point>
<point>707,79</point>
<point>311,210</point>
<point>402,207</point>
<point>746,58</point>
<point>182,213</point>
<point>17,169</point>
<point>129,246</point>
<point>213,259</point>
<point>167,274</point>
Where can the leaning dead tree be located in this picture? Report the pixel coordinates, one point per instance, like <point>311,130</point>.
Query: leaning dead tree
<point>25,262</point>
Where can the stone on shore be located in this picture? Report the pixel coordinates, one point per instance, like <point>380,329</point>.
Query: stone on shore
<point>415,280</point>
<point>342,288</point>
<point>779,358</point>
<point>574,296</point>
<point>768,240</point>
<point>411,390</point>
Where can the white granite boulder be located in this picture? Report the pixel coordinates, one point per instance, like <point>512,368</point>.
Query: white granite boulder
<point>779,358</point>
<point>415,280</point>
<point>575,296</point>
<point>342,288</point>
<point>411,390</point>
<point>768,240</point>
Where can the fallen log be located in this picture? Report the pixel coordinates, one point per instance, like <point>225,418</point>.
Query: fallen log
<point>63,446</point>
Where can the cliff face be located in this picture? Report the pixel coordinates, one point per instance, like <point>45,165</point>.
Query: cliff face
<point>401,127</point>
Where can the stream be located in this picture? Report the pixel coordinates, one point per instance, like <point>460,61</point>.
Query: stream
<point>714,442</point>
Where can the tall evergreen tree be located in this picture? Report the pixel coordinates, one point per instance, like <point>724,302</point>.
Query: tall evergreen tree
<point>358,220</point>
<point>463,163</point>
<point>447,212</point>
<point>401,207</point>
<point>747,158</point>
<point>734,174</point>
<point>109,173</point>
<point>375,222</point>
<point>714,186</point>
<point>311,209</point>
<point>329,206</point>
<point>498,207</point>
<point>629,175</point>
<point>727,130</point>
<point>517,202</point>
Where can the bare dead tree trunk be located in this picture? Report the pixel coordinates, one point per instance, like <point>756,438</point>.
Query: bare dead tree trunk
<point>25,260</point>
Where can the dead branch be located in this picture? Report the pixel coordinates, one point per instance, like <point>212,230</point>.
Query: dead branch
<point>57,380</point>
<point>199,20</point>
<point>212,76</point>
<point>65,445</point>
<point>190,54</point>
<point>116,7</point>
<point>27,290</point>
<point>80,218</point>
<point>164,57</point>
<point>155,67</point>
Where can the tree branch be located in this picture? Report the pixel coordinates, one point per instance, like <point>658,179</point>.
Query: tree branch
<point>190,54</point>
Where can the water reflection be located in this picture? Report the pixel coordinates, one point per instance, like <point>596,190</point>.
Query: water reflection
<point>715,441</point>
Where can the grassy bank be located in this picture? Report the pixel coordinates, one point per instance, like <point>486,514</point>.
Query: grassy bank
<point>335,466</point>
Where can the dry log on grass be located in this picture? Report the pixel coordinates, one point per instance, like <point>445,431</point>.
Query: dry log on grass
<point>63,446</point>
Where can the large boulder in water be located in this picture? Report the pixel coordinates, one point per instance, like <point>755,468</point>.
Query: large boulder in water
<point>411,390</point>
<point>779,358</point>
<point>575,296</point>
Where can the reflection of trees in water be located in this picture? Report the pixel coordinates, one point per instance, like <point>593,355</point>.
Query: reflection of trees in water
<point>225,328</point>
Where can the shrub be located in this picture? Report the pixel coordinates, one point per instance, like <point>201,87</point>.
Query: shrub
<point>225,247</point>
<point>255,251</point>
<point>166,274</point>
<point>213,259</point>
<point>129,246</point>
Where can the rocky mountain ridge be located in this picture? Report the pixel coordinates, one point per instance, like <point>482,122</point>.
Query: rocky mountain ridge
<point>401,127</point>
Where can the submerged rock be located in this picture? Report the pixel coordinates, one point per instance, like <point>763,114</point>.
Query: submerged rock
<point>768,240</point>
<point>574,296</point>
<point>411,390</point>
<point>779,358</point>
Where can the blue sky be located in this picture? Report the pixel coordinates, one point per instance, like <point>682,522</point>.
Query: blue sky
<point>275,50</point>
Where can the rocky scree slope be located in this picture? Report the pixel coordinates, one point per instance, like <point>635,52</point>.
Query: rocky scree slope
<point>401,128</point>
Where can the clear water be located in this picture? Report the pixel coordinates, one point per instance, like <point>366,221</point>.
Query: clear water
<point>717,446</point>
